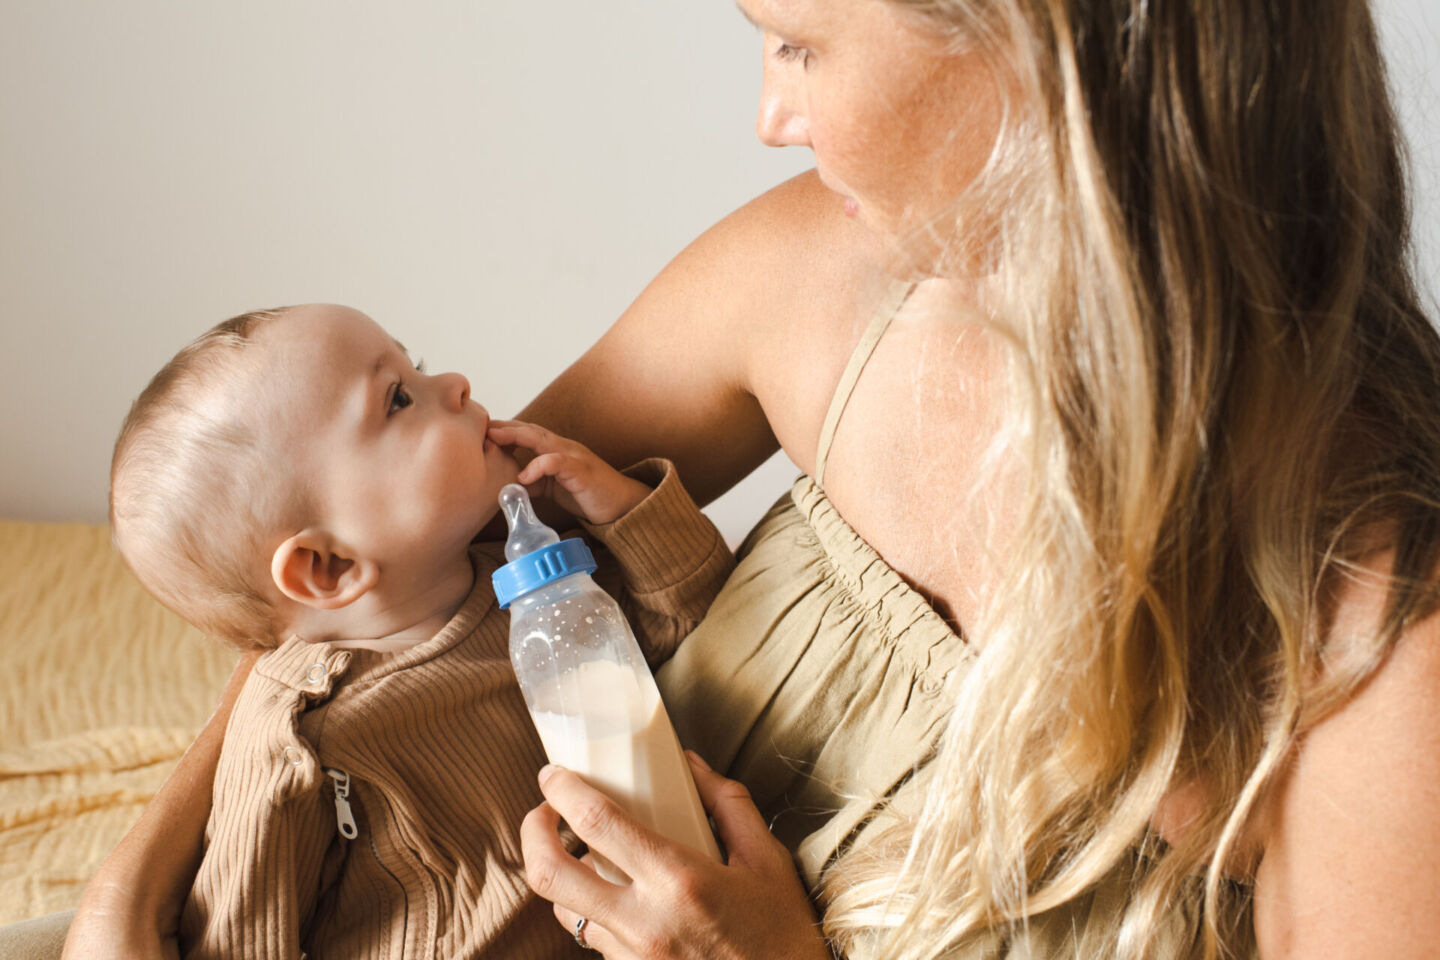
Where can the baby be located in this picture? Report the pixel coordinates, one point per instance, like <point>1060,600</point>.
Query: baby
<point>291,481</point>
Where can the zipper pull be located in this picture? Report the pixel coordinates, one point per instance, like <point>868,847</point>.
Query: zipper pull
<point>343,817</point>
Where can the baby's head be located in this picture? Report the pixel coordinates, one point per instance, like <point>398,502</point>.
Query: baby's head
<point>291,462</point>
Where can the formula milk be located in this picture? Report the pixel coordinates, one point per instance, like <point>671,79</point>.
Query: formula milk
<point>624,746</point>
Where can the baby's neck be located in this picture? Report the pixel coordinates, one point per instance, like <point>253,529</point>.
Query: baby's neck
<point>388,621</point>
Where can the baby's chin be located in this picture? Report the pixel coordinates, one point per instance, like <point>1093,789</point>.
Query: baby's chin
<point>494,527</point>
<point>509,466</point>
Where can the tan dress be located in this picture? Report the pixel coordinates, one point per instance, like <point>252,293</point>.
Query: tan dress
<point>818,680</point>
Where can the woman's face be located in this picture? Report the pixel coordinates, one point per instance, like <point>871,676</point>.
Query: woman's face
<point>899,122</point>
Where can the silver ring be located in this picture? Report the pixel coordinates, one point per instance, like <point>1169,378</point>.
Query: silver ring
<point>580,933</point>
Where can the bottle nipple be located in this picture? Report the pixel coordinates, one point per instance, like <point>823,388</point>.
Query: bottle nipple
<point>527,533</point>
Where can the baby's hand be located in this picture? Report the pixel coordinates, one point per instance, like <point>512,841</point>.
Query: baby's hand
<point>568,473</point>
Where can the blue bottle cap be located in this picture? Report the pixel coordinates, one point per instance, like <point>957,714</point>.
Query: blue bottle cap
<point>546,565</point>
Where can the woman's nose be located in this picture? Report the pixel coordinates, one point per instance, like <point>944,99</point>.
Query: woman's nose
<point>780,123</point>
<point>455,389</point>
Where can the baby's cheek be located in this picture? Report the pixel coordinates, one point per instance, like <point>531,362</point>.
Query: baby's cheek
<point>454,466</point>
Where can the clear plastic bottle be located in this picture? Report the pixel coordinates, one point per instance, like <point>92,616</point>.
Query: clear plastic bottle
<point>586,683</point>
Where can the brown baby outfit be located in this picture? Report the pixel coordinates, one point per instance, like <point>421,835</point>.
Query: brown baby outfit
<point>369,805</point>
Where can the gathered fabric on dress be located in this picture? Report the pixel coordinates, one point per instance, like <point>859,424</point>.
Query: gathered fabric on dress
<point>822,681</point>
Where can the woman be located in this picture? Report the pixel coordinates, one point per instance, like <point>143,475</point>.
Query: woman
<point>1106,600</point>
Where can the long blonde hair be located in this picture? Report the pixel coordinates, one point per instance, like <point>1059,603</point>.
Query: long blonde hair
<point>1229,399</point>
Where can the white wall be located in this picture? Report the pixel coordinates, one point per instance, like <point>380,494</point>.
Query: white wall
<point>1410,34</point>
<point>493,186</point>
<point>492,181</point>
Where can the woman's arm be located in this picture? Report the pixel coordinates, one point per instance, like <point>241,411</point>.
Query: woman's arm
<point>1351,866</point>
<point>733,348</point>
<point>736,346</point>
<point>131,907</point>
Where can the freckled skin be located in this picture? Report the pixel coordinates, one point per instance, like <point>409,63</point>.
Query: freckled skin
<point>899,121</point>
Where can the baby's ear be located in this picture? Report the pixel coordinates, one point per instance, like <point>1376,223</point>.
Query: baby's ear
<point>312,569</point>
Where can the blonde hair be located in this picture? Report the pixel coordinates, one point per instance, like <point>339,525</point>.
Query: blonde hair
<point>1228,399</point>
<point>193,499</point>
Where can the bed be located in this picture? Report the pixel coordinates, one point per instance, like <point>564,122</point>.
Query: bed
<point>103,690</point>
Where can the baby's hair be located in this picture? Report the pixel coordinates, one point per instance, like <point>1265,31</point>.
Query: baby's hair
<point>194,500</point>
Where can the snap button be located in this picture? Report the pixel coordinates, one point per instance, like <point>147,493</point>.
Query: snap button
<point>316,673</point>
<point>293,757</point>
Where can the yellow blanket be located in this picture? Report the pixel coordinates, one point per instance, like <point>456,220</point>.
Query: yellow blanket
<point>101,690</point>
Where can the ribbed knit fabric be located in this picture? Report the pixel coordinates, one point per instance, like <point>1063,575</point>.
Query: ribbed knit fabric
<point>441,758</point>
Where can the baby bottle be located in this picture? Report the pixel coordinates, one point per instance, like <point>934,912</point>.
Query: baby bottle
<point>587,685</point>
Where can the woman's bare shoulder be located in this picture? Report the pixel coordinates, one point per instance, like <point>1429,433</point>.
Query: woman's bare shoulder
<point>792,244</point>
<point>807,280</point>
<point>785,258</point>
<point>693,369</point>
<point>1352,844</point>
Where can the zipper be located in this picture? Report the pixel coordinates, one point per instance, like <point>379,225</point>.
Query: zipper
<point>388,817</point>
<point>345,820</point>
<point>344,817</point>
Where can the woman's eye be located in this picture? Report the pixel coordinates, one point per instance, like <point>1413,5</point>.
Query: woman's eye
<point>788,51</point>
<point>399,399</point>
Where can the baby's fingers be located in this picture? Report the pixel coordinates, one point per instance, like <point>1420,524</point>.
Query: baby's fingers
<point>565,469</point>
<point>511,433</point>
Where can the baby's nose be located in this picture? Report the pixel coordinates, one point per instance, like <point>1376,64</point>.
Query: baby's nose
<point>457,388</point>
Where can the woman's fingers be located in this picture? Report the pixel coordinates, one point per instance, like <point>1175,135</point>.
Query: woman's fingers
<point>744,832</point>
<point>573,886</point>
<point>597,820</point>
<point>596,936</point>
<point>557,876</point>
<point>682,905</point>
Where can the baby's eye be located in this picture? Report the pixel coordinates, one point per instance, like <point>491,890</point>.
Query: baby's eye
<point>399,399</point>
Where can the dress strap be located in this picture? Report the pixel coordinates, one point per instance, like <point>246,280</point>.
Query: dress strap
<point>890,305</point>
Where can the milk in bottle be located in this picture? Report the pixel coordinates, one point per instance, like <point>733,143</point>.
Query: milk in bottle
<point>586,683</point>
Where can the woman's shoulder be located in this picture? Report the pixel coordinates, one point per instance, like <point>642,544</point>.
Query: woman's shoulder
<point>792,221</point>
<point>791,245</point>
<point>735,344</point>
<point>802,281</point>
<point>789,257</point>
<point>1352,839</point>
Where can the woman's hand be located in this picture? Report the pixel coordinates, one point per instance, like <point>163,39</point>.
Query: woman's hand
<point>568,473</point>
<point>109,922</point>
<point>681,904</point>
